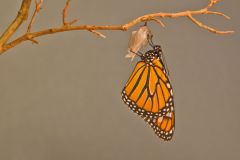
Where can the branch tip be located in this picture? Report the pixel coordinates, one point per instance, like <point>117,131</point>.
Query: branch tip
<point>158,21</point>
<point>210,29</point>
<point>218,13</point>
<point>99,34</point>
<point>212,2</point>
<point>33,41</point>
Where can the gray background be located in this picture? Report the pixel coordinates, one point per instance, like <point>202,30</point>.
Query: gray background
<point>61,99</point>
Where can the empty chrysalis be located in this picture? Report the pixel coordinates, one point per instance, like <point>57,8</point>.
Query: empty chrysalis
<point>138,40</point>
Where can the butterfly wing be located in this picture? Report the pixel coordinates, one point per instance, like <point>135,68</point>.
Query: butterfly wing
<point>148,91</point>
<point>163,126</point>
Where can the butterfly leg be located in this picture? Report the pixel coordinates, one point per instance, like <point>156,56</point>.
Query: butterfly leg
<point>138,53</point>
<point>150,41</point>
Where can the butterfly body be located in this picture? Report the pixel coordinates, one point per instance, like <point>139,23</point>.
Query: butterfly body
<point>150,56</point>
<point>148,93</point>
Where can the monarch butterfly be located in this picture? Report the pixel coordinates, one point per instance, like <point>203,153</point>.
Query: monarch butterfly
<point>148,93</point>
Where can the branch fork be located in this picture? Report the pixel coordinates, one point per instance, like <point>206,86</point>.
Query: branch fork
<point>64,15</point>
<point>38,5</point>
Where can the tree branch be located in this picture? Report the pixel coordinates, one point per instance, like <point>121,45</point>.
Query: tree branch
<point>93,28</point>
<point>65,10</point>
<point>200,24</point>
<point>37,9</point>
<point>22,16</point>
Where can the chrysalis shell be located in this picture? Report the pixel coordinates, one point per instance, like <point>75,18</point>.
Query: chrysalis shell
<point>138,40</point>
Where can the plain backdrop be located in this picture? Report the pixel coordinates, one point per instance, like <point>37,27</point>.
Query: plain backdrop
<point>61,99</point>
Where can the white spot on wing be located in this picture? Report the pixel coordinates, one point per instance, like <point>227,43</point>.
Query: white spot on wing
<point>168,85</point>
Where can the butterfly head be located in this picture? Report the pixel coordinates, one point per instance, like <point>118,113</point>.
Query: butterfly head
<point>150,56</point>
<point>157,48</point>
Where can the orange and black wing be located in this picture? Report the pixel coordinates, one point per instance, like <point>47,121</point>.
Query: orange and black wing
<point>163,126</point>
<point>148,91</point>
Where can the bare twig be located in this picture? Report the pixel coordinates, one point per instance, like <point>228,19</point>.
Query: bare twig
<point>93,28</point>
<point>159,22</point>
<point>33,41</point>
<point>218,13</point>
<point>98,33</point>
<point>64,15</point>
<point>212,2</point>
<point>200,24</point>
<point>37,9</point>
